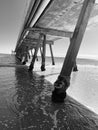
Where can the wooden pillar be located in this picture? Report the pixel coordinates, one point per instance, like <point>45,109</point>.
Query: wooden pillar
<point>25,55</point>
<point>63,80</point>
<point>31,53</point>
<point>75,68</point>
<point>18,54</point>
<point>52,57</point>
<point>43,51</point>
<point>35,53</point>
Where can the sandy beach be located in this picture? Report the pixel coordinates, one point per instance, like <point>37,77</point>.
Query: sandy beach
<point>84,83</point>
<point>25,98</point>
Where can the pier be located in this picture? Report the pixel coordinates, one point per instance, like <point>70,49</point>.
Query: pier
<point>45,25</point>
<point>25,104</point>
<point>33,103</point>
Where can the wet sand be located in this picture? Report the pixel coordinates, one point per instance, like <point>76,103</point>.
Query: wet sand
<point>25,104</point>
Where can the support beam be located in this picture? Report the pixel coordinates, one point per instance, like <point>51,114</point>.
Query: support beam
<point>19,55</point>
<point>43,53</point>
<point>46,31</point>
<point>35,54</point>
<point>25,55</point>
<point>22,51</point>
<point>53,32</point>
<point>75,68</point>
<point>32,52</point>
<point>63,80</point>
<point>30,40</point>
<point>52,57</point>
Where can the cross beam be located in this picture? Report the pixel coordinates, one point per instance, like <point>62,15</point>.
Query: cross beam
<point>50,31</point>
<point>33,40</point>
<point>45,31</point>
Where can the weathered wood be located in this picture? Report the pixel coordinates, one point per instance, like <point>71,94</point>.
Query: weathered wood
<point>75,68</point>
<point>52,57</point>
<point>63,80</point>
<point>25,55</point>
<point>25,32</point>
<point>46,31</point>
<point>43,53</point>
<point>61,15</point>
<point>30,40</point>
<point>34,35</point>
<point>53,32</point>
<point>35,54</point>
<point>31,52</point>
<point>77,37</point>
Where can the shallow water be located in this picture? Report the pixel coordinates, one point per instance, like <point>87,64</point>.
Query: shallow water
<point>21,94</point>
<point>25,102</point>
<point>84,86</point>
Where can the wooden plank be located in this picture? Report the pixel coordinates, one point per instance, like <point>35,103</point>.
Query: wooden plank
<point>50,31</point>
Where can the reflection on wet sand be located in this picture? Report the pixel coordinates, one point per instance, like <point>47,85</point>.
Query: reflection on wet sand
<point>8,120</point>
<point>29,107</point>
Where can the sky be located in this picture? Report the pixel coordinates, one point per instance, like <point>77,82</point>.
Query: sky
<point>12,13</point>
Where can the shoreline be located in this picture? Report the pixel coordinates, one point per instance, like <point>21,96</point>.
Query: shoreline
<point>80,60</point>
<point>25,99</point>
<point>27,105</point>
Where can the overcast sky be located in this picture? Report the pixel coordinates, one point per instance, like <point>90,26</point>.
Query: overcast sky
<point>12,13</point>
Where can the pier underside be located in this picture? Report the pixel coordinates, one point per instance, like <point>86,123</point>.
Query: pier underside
<point>49,21</point>
<point>30,102</point>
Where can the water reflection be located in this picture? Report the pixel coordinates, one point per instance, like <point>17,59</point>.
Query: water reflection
<point>25,104</point>
<point>33,100</point>
<point>8,120</point>
<point>35,110</point>
<point>84,86</point>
